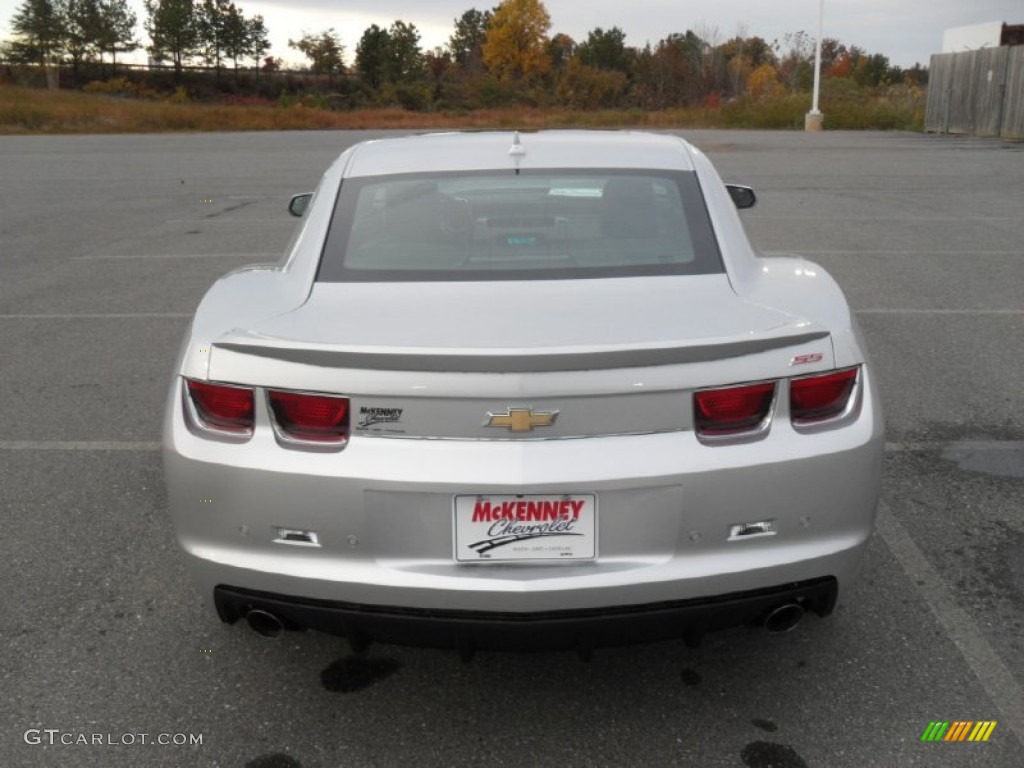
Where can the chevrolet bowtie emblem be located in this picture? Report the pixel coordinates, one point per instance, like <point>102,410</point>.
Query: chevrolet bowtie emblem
<point>521,419</point>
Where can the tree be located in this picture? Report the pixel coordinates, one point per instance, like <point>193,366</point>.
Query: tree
<point>174,31</point>
<point>871,70</point>
<point>82,30</point>
<point>324,51</point>
<point>742,56</point>
<point>796,67</point>
<point>759,51</point>
<point>405,59</point>
<point>437,62</point>
<point>560,49</point>
<point>704,46</point>
<point>373,55</point>
<point>831,52</point>
<point>669,75</point>
<point>764,81</point>
<point>585,87</point>
<point>117,30</point>
<point>212,20</point>
<point>467,41</point>
<point>40,29</point>
<point>916,75</point>
<point>516,44</point>
<point>605,50</point>
<point>259,40</point>
<point>237,38</point>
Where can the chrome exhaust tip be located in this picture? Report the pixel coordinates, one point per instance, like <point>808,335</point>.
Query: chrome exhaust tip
<point>265,623</point>
<point>783,618</point>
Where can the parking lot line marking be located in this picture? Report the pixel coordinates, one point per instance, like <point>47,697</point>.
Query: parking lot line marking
<point>82,445</point>
<point>858,252</point>
<point>128,256</point>
<point>961,445</point>
<point>222,219</point>
<point>982,658</point>
<point>938,311</point>
<point>912,446</point>
<point>960,252</point>
<point>98,316</point>
<point>812,217</point>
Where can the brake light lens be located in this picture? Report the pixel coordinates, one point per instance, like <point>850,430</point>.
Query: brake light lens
<point>732,410</point>
<point>221,406</point>
<point>819,398</point>
<point>310,418</point>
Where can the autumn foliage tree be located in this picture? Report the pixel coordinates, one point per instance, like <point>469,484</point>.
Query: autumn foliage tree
<point>517,38</point>
<point>763,81</point>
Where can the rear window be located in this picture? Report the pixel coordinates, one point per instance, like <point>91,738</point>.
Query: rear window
<point>503,225</point>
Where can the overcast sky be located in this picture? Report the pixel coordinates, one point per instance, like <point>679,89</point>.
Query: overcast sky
<point>907,31</point>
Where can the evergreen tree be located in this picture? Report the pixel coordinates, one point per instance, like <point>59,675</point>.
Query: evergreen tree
<point>117,30</point>
<point>605,50</point>
<point>212,21</point>
<point>83,30</point>
<point>174,31</point>
<point>258,40</point>
<point>373,54</point>
<point>405,59</point>
<point>39,26</point>
<point>467,41</point>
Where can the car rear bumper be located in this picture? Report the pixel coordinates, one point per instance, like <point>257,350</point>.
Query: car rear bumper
<point>582,630</point>
<point>382,511</point>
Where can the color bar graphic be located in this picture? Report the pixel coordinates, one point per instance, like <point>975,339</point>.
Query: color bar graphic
<point>958,730</point>
<point>982,730</point>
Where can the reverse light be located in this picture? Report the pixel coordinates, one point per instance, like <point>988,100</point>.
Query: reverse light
<point>733,411</point>
<point>222,407</point>
<point>818,398</point>
<point>303,418</point>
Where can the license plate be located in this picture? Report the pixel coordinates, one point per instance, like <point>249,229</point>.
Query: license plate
<point>510,528</point>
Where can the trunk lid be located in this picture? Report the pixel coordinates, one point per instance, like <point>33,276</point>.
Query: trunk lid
<point>606,356</point>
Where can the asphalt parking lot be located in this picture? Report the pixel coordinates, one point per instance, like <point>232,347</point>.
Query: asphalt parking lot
<point>107,244</point>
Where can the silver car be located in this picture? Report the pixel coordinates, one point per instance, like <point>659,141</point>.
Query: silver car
<point>523,392</point>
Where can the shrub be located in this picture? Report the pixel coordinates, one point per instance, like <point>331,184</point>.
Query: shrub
<point>115,86</point>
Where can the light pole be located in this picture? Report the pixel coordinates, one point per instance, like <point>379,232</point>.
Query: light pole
<point>814,120</point>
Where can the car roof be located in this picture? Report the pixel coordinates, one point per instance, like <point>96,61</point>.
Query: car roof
<point>494,150</point>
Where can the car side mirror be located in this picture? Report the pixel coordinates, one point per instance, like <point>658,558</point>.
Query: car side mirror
<point>743,197</point>
<point>299,203</point>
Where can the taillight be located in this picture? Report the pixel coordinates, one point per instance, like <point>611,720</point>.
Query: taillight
<point>222,407</point>
<point>820,397</point>
<point>732,411</point>
<point>310,418</point>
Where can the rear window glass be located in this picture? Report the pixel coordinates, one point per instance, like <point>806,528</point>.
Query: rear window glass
<point>500,225</point>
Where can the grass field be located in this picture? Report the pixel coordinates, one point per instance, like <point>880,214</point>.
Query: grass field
<point>33,111</point>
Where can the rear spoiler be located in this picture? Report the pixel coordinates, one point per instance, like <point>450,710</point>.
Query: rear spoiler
<point>489,360</point>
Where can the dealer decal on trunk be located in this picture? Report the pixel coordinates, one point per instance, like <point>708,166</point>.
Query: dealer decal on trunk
<point>368,416</point>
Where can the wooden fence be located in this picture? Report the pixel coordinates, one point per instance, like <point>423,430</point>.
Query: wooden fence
<point>977,93</point>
